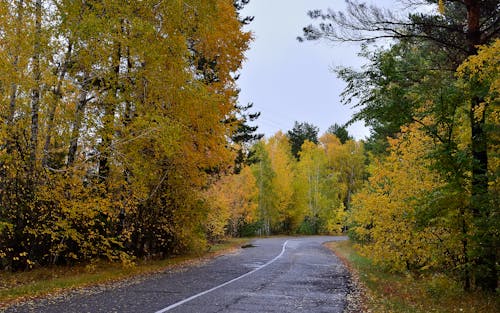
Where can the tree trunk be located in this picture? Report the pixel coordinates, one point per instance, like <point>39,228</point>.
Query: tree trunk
<point>108,119</point>
<point>13,85</point>
<point>52,110</point>
<point>486,259</point>
<point>35,92</point>
<point>77,123</point>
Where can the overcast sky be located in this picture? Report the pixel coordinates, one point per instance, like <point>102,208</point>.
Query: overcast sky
<point>290,81</point>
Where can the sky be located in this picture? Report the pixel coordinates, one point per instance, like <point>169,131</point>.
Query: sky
<point>290,81</point>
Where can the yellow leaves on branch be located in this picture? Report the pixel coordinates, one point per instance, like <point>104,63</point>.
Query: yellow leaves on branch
<point>282,164</point>
<point>231,201</point>
<point>131,126</point>
<point>441,6</point>
<point>485,65</point>
<point>485,68</point>
<point>384,212</point>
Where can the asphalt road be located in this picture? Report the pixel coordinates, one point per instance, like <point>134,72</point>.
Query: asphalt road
<point>277,275</point>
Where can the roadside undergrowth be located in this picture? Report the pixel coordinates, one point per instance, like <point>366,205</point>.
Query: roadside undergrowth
<point>398,293</point>
<point>15,287</point>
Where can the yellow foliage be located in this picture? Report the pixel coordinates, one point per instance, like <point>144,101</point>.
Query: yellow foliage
<point>282,162</point>
<point>129,131</point>
<point>231,202</point>
<point>485,68</point>
<point>441,6</point>
<point>321,188</point>
<point>384,212</point>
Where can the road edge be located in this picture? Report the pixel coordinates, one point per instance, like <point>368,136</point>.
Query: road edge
<point>357,291</point>
<point>132,279</point>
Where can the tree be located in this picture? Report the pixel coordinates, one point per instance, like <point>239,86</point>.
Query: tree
<point>386,88</point>
<point>299,134</point>
<point>444,33</point>
<point>385,213</point>
<point>480,75</point>
<point>324,206</point>
<point>232,204</point>
<point>244,135</point>
<point>264,175</point>
<point>347,161</point>
<point>282,162</point>
<point>113,125</point>
<point>339,131</point>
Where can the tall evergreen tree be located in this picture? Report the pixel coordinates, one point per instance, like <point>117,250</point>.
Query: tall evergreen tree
<point>299,134</point>
<point>455,30</point>
<point>244,136</point>
<point>339,131</point>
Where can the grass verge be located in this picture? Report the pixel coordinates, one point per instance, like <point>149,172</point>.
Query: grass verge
<point>42,282</point>
<point>391,292</point>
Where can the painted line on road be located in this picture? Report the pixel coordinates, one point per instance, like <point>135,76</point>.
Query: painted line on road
<point>173,306</point>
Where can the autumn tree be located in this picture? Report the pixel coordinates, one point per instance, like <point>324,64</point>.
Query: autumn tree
<point>324,206</point>
<point>385,213</point>
<point>282,163</point>
<point>307,196</point>
<point>264,175</point>
<point>347,161</point>
<point>442,35</point>
<point>232,202</point>
<point>113,124</point>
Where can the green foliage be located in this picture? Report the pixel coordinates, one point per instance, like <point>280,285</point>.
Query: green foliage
<point>306,196</point>
<point>340,132</point>
<point>299,134</point>
<point>389,88</point>
<point>311,225</point>
<point>244,135</point>
<point>384,291</point>
<point>413,82</point>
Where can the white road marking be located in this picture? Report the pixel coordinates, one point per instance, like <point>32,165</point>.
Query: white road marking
<point>173,306</point>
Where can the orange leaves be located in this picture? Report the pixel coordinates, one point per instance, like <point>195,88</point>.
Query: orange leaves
<point>232,202</point>
<point>133,108</point>
<point>221,40</point>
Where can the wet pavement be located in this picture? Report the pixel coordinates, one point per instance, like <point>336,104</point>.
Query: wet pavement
<point>295,274</point>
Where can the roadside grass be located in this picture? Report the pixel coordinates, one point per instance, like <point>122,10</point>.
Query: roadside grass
<point>41,282</point>
<point>395,293</point>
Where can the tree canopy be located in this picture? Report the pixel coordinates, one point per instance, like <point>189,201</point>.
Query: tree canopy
<point>114,120</point>
<point>299,134</point>
<point>414,82</point>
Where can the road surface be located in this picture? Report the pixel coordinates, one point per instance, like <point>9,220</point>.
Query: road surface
<point>296,274</point>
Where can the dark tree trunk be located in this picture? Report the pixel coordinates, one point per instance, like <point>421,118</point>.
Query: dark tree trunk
<point>486,257</point>
<point>108,119</point>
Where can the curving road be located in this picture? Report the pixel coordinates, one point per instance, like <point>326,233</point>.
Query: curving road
<point>276,275</point>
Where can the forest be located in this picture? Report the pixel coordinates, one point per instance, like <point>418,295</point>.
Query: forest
<point>116,116</point>
<point>431,97</point>
<point>122,138</point>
